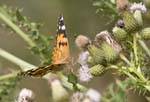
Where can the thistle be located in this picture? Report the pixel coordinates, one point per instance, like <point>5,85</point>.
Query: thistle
<point>97,70</point>
<point>145,33</point>
<point>96,53</point>
<point>84,73</point>
<point>93,95</point>
<point>91,61</point>
<point>119,33</point>
<point>131,25</point>
<point>110,53</point>
<point>137,9</point>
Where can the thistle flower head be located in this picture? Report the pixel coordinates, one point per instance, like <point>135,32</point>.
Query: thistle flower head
<point>103,36</point>
<point>82,41</point>
<point>120,23</point>
<point>84,74</point>
<point>77,97</point>
<point>83,57</point>
<point>26,95</point>
<point>138,6</point>
<point>93,95</point>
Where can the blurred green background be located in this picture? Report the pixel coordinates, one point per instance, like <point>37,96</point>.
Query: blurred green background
<point>80,18</point>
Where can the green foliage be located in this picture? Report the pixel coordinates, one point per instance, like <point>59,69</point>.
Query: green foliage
<point>72,78</point>
<point>7,88</point>
<point>116,94</point>
<point>106,7</point>
<point>42,47</point>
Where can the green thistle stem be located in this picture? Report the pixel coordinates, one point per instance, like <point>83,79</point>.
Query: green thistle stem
<point>26,66</point>
<point>140,76</point>
<point>112,66</point>
<point>22,64</point>
<point>147,87</point>
<point>130,75</point>
<point>135,48</point>
<point>125,59</point>
<point>143,45</point>
<point>7,76</point>
<point>16,29</point>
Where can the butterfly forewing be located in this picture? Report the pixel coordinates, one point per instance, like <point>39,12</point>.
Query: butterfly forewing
<point>60,56</point>
<point>61,53</point>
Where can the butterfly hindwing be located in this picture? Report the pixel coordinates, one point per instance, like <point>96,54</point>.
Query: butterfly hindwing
<point>41,71</point>
<point>60,56</point>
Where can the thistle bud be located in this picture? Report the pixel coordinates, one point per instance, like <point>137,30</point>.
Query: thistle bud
<point>91,60</point>
<point>137,9</point>
<point>145,33</point>
<point>138,17</point>
<point>120,23</point>
<point>131,25</point>
<point>97,70</point>
<point>110,53</point>
<point>119,33</point>
<point>96,54</point>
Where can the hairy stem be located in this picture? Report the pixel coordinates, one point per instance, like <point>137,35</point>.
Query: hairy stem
<point>21,63</point>
<point>7,76</point>
<point>135,49</point>
<point>146,49</point>
<point>125,59</point>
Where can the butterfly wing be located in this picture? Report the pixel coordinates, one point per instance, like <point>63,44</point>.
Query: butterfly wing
<point>41,71</point>
<point>61,53</point>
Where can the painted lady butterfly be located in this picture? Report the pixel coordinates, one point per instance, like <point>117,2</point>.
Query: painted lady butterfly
<point>60,56</point>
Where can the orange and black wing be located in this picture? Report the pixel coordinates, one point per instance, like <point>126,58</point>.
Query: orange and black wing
<point>61,53</point>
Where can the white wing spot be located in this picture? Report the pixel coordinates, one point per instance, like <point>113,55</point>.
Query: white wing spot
<point>61,19</point>
<point>59,27</point>
<point>63,27</point>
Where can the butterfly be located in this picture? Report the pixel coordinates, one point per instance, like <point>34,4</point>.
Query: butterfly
<point>60,55</point>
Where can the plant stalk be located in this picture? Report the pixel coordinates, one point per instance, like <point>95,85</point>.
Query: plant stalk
<point>143,45</point>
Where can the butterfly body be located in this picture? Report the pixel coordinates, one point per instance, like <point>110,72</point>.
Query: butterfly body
<point>60,55</point>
